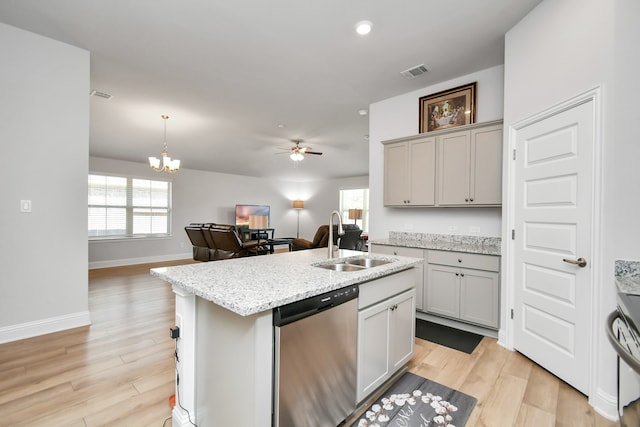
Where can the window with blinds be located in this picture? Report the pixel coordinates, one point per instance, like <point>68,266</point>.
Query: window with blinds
<point>124,207</point>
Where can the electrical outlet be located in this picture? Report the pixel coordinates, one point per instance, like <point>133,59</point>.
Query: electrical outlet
<point>474,230</point>
<point>174,332</point>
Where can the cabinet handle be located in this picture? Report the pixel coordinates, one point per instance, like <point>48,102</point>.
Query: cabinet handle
<point>457,274</point>
<point>471,200</point>
<point>461,274</point>
<point>459,259</point>
<point>466,200</point>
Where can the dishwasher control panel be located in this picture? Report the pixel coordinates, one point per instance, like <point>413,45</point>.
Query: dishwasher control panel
<point>309,306</point>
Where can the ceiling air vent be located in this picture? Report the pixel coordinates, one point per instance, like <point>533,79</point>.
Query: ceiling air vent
<point>414,72</point>
<point>104,95</point>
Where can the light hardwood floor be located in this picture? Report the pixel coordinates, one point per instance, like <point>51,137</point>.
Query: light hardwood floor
<point>120,370</point>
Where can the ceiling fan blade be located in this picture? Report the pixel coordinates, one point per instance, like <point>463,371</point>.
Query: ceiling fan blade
<point>313,152</point>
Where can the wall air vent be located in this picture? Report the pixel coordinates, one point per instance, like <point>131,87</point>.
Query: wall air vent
<point>104,95</point>
<point>414,72</point>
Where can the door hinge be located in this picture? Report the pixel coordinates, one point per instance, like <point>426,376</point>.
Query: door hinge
<point>514,154</point>
<point>513,234</point>
<point>512,314</point>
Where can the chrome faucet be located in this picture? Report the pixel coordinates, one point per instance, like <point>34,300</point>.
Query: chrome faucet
<point>340,231</point>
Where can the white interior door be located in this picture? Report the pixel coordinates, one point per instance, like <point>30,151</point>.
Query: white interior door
<point>553,223</point>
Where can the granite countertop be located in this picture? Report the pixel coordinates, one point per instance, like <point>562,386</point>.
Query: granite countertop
<point>443,242</point>
<point>627,276</point>
<point>252,285</point>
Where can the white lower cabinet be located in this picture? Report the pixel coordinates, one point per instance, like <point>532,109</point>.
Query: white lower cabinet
<point>464,287</point>
<point>386,334</point>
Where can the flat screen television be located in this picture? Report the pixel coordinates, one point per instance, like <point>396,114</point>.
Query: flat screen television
<point>244,211</point>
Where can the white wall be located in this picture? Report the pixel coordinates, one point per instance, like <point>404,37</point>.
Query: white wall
<point>211,197</point>
<point>562,49</point>
<point>398,117</point>
<point>44,110</point>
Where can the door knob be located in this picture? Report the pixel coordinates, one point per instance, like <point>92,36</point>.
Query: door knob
<point>580,262</point>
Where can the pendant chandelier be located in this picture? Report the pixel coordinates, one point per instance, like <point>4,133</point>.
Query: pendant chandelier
<point>168,165</point>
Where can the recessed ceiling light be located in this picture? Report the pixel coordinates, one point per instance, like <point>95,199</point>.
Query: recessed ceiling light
<point>363,112</point>
<point>280,125</point>
<point>363,27</point>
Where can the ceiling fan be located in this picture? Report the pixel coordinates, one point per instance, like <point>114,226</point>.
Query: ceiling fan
<point>298,152</point>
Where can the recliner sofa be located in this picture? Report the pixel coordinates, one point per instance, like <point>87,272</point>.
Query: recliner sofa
<point>212,242</point>
<point>350,240</point>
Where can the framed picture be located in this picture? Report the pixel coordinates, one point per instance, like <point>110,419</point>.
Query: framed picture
<point>449,108</point>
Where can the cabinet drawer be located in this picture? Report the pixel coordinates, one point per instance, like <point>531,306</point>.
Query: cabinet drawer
<point>385,287</point>
<point>397,250</point>
<point>461,259</point>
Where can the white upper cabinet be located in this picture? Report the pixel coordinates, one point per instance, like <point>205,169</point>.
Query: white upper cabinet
<point>470,167</point>
<point>409,172</point>
<point>457,167</point>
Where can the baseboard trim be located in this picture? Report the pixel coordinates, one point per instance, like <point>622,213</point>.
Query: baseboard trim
<point>141,260</point>
<point>458,325</point>
<point>44,326</point>
<point>605,404</point>
<point>180,418</point>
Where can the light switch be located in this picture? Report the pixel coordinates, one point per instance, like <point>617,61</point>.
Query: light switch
<point>25,205</point>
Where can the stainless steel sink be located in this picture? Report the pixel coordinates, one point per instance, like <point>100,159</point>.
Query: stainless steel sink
<point>341,267</point>
<point>367,262</point>
<point>353,264</point>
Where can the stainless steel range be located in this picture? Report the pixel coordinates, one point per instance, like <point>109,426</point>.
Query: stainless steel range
<point>623,333</point>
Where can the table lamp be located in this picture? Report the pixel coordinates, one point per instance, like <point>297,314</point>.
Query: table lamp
<point>355,215</point>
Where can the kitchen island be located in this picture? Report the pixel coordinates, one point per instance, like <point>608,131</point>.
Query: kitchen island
<point>224,310</point>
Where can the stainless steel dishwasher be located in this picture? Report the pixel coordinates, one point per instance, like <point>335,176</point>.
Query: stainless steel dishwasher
<point>315,360</point>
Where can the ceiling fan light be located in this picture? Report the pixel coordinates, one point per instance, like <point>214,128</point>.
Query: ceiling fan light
<point>363,27</point>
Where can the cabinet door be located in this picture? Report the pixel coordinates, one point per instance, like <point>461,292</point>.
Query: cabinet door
<point>479,297</point>
<point>402,329</point>
<point>454,152</point>
<point>443,290</point>
<point>396,174</point>
<point>422,172</point>
<point>373,348</point>
<point>386,337</point>
<point>486,166</point>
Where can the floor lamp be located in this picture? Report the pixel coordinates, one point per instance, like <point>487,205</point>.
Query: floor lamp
<point>298,205</point>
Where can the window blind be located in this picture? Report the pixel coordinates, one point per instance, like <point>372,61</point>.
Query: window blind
<point>128,207</point>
